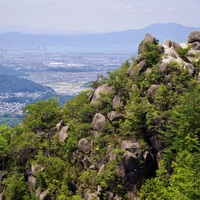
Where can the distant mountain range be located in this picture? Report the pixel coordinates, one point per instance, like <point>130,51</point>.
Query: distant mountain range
<point>175,32</point>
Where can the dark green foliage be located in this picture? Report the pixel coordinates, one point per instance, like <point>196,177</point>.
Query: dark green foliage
<point>151,54</point>
<point>184,52</point>
<point>183,183</point>
<point>16,187</point>
<point>42,116</point>
<point>121,81</point>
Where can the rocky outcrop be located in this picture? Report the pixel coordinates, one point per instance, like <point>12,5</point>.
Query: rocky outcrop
<point>131,146</point>
<point>59,126</point>
<point>117,102</point>
<point>62,135</point>
<point>194,37</point>
<point>155,143</point>
<point>135,89</point>
<point>151,92</point>
<point>190,68</point>
<point>98,122</point>
<point>115,116</point>
<point>102,89</point>
<point>194,40</point>
<point>44,195</point>
<point>90,196</point>
<point>131,161</point>
<point>84,146</point>
<point>195,45</point>
<point>171,44</point>
<point>148,38</point>
<point>32,183</point>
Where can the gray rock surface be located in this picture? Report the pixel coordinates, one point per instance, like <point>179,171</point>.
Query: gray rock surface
<point>116,102</point>
<point>84,146</point>
<point>62,135</point>
<point>170,44</point>
<point>194,37</point>
<point>98,122</point>
<point>102,89</point>
<point>115,116</point>
<point>195,45</point>
<point>130,161</point>
<point>131,146</point>
<point>32,183</point>
<point>148,38</point>
<point>152,91</point>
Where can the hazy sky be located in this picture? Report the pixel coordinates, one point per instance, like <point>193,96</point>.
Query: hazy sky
<point>98,15</point>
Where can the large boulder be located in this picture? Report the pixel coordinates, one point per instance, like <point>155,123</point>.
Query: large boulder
<point>135,70</point>
<point>148,38</point>
<point>98,122</point>
<point>194,37</point>
<point>135,89</point>
<point>152,91</point>
<point>131,146</point>
<point>115,116</point>
<point>195,45</point>
<point>44,195</point>
<point>32,183</point>
<point>155,143</point>
<point>163,66</point>
<point>130,161</point>
<point>134,178</point>
<point>84,146</point>
<point>59,125</point>
<point>90,196</point>
<point>62,135</point>
<point>170,44</point>
<point>171,53</point>
<point>117,102</point>
<point>190,68</point>
<point>102,89</point>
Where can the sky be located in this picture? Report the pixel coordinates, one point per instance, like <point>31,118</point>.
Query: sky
<point>98,15</point>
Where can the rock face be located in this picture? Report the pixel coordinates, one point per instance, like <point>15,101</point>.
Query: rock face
<point>98,122</point>
<point>102,89</point>
<point>44,196</point>
<point>62,135</point>
<point>32,183</point>
<point>59,126</point>
<point>84,146</point>
<point>194,40</point>
<point>130,161</point>
<point>194,37</point>
<point>115,116</point>
<point>116,102</point>
<point>196,45</point>
<point>90,196</point>
<point>148,38</point>
<point>130,146</point>
<point>152,91</point>
<point>170,44</point>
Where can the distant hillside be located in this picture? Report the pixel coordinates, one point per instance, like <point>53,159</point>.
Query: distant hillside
<point>13,84</point>
<point>130,37</point>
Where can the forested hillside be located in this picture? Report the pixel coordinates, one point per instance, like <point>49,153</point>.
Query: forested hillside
<point>10,83</point>
<point>136,135</point>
